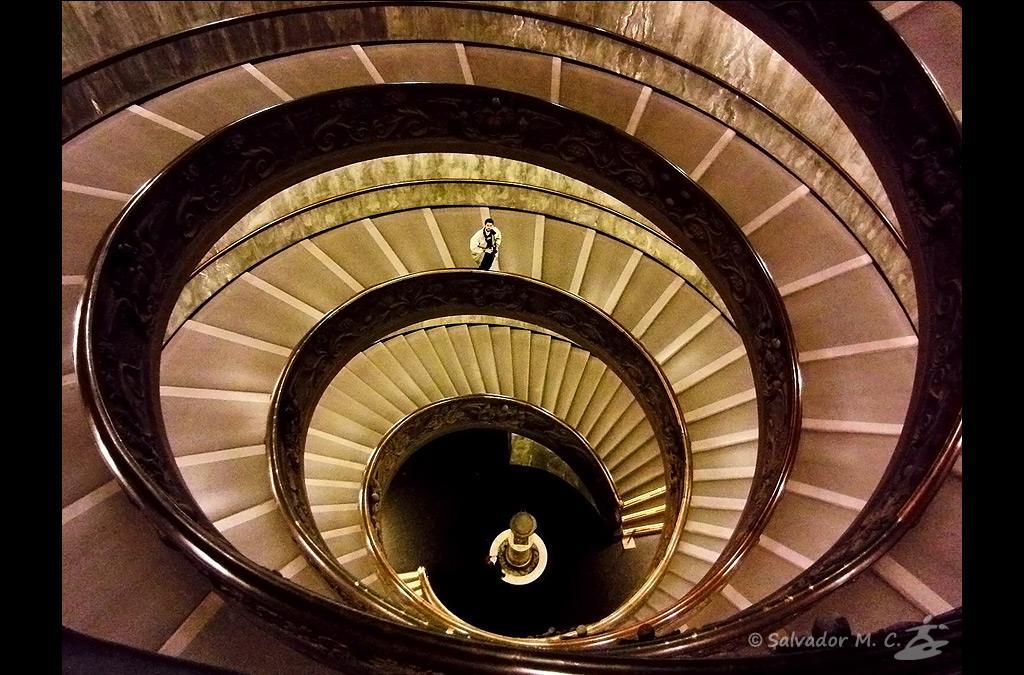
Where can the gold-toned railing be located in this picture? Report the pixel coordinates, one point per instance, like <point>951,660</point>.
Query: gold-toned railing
<point>488,411</point>
<point>308,221</point>
<point>165,230</point>
<point>379,311</point>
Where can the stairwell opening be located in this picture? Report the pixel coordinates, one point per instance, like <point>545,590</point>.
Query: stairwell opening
<point>451,497</point>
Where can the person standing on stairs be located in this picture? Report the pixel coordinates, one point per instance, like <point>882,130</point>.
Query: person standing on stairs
<point>484,244</point>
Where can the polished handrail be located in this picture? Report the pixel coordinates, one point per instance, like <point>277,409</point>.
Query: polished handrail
<point>644,513</point>
<point>645,497</point>
<point>490,411</point>
<point>167,228</point>
<point>90,96</point>
<point>376,312</point>
<point>936,252</point>
<point>267,240</point>
<point>465,412</point>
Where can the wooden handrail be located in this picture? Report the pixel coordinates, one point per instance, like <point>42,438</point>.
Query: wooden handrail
<point>919,152</point>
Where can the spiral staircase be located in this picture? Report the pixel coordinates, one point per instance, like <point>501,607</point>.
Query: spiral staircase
<point>729,283</point>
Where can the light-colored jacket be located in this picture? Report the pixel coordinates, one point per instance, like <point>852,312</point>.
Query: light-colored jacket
<point>478,244</point>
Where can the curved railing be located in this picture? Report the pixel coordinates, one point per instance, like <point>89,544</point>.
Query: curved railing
<point>167,228</point>
<point>488,411</point>
<point>907,129</point>
<point>379,311</point>
<point>809,151</point>
<point>919,149</point>
<point>473,411</point>
<point>222,267</point>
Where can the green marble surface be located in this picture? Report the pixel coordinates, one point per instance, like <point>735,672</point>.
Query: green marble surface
<point>412,182</point>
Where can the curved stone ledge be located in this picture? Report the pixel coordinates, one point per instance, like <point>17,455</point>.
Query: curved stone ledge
<point>645,47</point>
<point>275,236</point>
<point>165,231</point>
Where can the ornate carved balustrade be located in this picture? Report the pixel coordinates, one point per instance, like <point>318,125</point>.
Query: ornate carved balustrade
<point>844,48</point>
<point>489,411</point>
<point>168,228</point>
<point>381,310</point>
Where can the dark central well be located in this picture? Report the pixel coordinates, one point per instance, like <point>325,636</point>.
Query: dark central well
<point>453,496</point>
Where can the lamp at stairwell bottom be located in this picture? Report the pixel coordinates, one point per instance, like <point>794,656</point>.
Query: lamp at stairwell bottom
<point>519,551</point>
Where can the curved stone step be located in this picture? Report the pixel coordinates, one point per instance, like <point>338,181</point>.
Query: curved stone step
<point>121,174</point>
<point>607,410</point>
<point>857,372</point>
<point>641,466</point>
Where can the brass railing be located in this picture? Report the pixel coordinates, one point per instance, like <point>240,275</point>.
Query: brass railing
<point>474,411</point>
<point>902,126</point>
<point>169,226</point>
<point>105,86</point>
<point>250,249</point>
<point>491,411</point>
<point>379,311</point>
